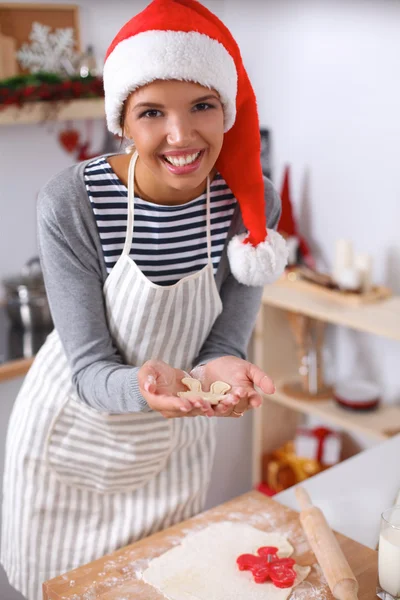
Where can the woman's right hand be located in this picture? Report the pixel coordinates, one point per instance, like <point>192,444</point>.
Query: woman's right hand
<point>159,384</point>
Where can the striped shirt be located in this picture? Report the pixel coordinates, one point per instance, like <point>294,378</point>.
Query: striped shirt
<point>169,242</point>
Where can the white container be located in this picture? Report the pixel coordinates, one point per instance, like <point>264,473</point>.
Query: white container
<point>363,264</point>
<point>389,555</point>
<point>348,279</point>
<point>344,257</point>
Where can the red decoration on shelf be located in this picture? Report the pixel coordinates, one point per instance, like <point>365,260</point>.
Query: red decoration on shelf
<point>287,224</point>
<point>70,139</point>
<point>68,89</point>
<point>321,434</point>
<point>268,566</point>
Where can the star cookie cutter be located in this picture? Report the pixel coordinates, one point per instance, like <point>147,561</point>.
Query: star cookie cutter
<point>217,391</point>
<point>268,566</point>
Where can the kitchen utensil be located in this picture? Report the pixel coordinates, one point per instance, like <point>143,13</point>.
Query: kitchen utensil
<point>26,299</point>
<point>325,546</point>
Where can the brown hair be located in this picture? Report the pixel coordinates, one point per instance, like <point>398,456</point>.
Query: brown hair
<point>122,117</point>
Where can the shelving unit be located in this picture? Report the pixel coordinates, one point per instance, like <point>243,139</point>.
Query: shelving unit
<point>276,422</point>
<point>377,424</point>
<point>37,112</point>
<point>380,318</point>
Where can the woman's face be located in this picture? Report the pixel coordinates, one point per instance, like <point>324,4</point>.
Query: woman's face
<point>177,129</point>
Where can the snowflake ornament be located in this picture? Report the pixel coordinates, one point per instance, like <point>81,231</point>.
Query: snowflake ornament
<point>50,52</point>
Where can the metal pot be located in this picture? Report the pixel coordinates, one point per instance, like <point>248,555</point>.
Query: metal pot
<point>26,299</point>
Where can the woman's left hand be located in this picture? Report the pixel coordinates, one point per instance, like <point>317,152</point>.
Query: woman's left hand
<point>242,376</point>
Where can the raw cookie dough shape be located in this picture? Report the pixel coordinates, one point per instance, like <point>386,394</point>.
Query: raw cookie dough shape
<point>203,566</point>
<point>217,391</point>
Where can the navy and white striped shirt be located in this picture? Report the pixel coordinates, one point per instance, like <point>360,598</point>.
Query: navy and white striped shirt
<point>169,242</point>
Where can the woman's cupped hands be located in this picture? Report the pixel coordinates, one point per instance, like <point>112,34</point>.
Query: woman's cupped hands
<point>160,383</point>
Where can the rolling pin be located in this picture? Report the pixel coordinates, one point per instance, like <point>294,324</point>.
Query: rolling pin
<point>325,546</point>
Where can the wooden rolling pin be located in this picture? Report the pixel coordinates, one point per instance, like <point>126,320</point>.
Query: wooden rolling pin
<point>325,546</point>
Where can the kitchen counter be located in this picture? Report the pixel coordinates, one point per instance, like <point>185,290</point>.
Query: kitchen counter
<point>118,575</point>
<point>17,348</point>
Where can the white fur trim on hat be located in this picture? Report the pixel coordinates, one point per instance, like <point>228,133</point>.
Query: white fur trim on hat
<point>152,55</point>
<point>261,264</point>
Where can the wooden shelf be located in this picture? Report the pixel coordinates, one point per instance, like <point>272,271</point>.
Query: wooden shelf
<point>379,318</point>
<point>377,424</point>
<point>14,368</point>
<point>275,351</point>
<point>37,112</point>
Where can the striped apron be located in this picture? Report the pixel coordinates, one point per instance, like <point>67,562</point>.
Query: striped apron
<point>80,483</point>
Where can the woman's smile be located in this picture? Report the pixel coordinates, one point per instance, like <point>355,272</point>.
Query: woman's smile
<point>183,163</point>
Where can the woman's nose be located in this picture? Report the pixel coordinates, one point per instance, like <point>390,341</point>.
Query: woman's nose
<point>180,132</point>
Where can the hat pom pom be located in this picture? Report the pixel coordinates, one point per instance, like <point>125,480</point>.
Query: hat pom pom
<point>261,264</point>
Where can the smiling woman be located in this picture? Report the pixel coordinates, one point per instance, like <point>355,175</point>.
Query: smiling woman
<point>154,263</point>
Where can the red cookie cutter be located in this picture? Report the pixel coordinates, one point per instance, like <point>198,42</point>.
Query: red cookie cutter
<point>267,565</point>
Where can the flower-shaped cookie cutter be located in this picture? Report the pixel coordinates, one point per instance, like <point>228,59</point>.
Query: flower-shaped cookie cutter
<point>268,566</point>
<point>217,392</point>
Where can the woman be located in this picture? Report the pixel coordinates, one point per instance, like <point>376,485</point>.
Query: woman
<point>147,279</point>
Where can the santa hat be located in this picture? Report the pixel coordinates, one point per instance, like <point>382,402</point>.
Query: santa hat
<point>182,40</point>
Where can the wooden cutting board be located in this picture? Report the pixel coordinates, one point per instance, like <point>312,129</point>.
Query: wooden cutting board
<point>117,576</point>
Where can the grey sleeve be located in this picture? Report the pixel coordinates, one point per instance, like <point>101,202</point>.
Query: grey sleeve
<point>231,332</point>
<point>74,285</point>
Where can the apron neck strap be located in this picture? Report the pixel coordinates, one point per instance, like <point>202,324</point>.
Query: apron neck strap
<point>208,202</point>
<point>131,204</point>
<point>131,209</point>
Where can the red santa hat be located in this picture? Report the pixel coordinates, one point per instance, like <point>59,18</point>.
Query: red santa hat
<point>287,223</point>
<point>182,40</point>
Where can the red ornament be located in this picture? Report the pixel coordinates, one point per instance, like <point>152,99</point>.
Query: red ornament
<point>28,90</point>
<point>267,565</point>
<point>69,139</point>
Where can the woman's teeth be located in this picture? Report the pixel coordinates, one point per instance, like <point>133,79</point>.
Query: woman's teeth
<point>181,161</point>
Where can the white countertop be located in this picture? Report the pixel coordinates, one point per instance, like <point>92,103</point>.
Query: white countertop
<point>353,494</point>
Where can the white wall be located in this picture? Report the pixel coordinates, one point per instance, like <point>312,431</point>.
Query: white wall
<point>327,79</point>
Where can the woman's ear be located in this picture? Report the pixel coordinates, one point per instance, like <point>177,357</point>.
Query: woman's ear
<point>130,147</point>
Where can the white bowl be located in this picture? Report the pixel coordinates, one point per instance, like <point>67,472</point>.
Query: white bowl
<point>358,395</point>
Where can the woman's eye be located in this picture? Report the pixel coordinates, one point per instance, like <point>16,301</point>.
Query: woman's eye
<point>203,106</point>
<point>150,114</point>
